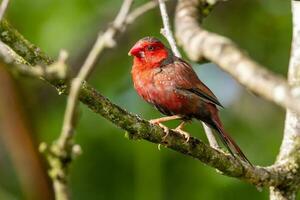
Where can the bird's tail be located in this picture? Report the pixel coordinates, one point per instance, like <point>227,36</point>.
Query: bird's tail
<point>227,140</point>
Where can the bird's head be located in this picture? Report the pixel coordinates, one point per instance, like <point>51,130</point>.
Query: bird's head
<point>149,52</point>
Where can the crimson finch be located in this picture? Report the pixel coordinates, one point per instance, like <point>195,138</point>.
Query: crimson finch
<point>171,85</point>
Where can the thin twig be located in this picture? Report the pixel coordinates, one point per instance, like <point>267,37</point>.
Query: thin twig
<point>103,41</point>
<point>210,136</point>
<point>167,32</point>
<point>57,70</point>
<point>3,7</point>
<point>140,10</point>
<point>65,148</point>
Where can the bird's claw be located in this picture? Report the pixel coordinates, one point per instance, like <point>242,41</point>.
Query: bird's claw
<point>166,129</point>
<point>186,135</point>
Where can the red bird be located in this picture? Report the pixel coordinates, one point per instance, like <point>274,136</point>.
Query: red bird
<point>172,86</point>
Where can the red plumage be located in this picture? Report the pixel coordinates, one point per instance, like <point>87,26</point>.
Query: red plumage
<point>172,86</point>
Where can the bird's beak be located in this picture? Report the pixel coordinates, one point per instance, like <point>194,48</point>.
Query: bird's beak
<point>135,50</point>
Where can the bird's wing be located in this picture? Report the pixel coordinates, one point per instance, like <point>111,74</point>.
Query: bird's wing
<point>186,79</point>
<point>204,96</point>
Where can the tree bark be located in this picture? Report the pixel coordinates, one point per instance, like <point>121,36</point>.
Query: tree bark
<point>289,150</point>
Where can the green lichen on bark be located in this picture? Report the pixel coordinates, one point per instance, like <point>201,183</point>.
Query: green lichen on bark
<point>31,53</point>
<point>59,161</point>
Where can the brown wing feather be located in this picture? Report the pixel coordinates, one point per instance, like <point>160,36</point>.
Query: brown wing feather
<point>188,80</point>
<point>204,96</point>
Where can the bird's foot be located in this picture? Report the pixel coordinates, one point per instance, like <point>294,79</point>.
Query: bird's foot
<point>186,135</point>
<point>179,129</point>
<point>165,128</point>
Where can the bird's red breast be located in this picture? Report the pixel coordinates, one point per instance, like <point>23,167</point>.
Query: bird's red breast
<point>168,82</point>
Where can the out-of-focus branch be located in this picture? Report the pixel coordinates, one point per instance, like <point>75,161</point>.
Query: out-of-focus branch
<point>140,11</point>
<point>199,43</point>
<point>57,70</point>
<point>64,145</point>
<point>103,41</point>
<point>16,138</point>
<point>167,32</point>
<point>3,7</point>
<point>289,150</point>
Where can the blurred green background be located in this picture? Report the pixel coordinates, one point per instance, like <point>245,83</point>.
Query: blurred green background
<point>111,166</point>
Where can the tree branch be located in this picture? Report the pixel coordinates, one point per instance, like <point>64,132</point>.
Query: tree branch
<point>57,70</point>
<point>103,41</point>
<point>140,11</point>
<point>17,138</point>
<point>199,43</point>
<point>64,144</point>
<point>166,31</point>
<point>289,150</point>
<point>3,7</point>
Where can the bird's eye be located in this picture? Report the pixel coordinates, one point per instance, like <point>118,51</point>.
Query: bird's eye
<point>150,48</point>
